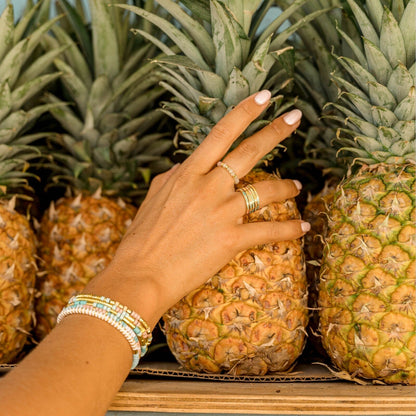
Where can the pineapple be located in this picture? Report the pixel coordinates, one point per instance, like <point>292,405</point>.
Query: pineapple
<point>250,317</point>
<point>19,84</point>
<point>367,291</point>
<point>105,155</point>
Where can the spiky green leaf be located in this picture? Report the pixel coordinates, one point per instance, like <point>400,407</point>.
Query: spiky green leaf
<point>80,30</point>
<point>407,25</point>
<point>26,91</point>
<point>400,82</point>
<point>378,65</point>
<point>226,39</point>
<point>78,90</point>
<point>180,39</point>
<point>383,117</point>
<point>38,67</point>
<point>73,55</point>
<point>237,89</point>
<point>364,23</point>
<point>196,31</point>
<point>105,45</point>
<point>355,48</point>
<point>6,30</point>
<point>406,109</point>
<point>5,100</point>
<point>391,39</point>
<point>279,40</point>
<point>381,96</point>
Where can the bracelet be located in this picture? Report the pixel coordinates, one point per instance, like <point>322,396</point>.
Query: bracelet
<point>129,323</point>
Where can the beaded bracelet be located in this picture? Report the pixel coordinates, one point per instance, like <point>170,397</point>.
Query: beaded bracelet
<point>129,323</point>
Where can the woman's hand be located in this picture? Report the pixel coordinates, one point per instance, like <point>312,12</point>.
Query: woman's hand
<point>187,228</point>
<point>190,223</point>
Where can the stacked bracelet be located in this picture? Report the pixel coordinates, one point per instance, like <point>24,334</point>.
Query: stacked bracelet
<point>129,323</point>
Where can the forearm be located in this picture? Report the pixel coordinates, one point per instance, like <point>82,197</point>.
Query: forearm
<point>79,367</point>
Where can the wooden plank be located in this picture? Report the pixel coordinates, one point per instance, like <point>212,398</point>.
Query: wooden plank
<point>318,398</point>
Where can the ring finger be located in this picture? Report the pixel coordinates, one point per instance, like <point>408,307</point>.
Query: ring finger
<point>244,157</point>
<point>267,191</point>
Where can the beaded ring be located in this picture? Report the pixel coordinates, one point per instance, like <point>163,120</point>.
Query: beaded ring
<point>230,170</point>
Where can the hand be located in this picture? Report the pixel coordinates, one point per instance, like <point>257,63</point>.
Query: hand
<point>188,227</point>
<point>190,223</point>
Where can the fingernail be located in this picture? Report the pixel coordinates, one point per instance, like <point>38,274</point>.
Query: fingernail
<point>297,184</point>
<point>305,226</point>
<point>292,117</point>
<point>262,97</point>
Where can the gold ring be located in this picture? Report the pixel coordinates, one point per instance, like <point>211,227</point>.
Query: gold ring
<point>251,197</point>
<point>230,171</point>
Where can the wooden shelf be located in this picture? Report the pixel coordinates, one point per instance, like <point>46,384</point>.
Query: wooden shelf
<point>313,398</point>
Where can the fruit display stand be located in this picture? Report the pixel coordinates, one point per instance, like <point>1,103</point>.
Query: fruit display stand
<point>308,390</point>
<point>164,388</point>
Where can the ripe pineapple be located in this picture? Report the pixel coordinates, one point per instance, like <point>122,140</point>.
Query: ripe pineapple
<point>105,153</point>
<point>250,317</point>
<point>367,290</point>
<point>17,274</point>
<point>19,83</point>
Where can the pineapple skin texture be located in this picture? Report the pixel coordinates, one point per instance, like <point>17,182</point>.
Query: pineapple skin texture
<point>249,318</point>
<point>315,212</point>
<point>367,290</point>
<point>78,239</point>
<point>17,282</point>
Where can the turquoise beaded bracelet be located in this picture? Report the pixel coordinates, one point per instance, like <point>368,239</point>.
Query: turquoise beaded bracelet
<point>129,323</point>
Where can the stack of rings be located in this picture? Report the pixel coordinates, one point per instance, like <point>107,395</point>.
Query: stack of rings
<point>251,197</point>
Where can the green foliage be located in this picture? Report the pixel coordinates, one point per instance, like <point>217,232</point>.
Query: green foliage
<point>110,136</point>
<point>24,75</point>
<point>222,59</point>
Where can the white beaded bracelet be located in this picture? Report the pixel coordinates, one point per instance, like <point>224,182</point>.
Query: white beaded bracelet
<point>129,323</point>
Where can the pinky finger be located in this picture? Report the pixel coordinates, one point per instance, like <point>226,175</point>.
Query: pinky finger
<point>257,233</point>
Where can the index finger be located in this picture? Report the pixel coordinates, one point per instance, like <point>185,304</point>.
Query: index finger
<point>226,131</point>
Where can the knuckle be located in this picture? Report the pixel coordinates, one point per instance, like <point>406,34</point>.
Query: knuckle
<point>246,109</point>
<point>276,127</point>
<point>159,178</point>
<point>274,232</point>
<point>248,148</point>
<point>231,240</point>
<point>290,188</point>
<point>219,132</point>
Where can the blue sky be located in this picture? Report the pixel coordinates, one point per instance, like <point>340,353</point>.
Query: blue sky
<point>19,6</point>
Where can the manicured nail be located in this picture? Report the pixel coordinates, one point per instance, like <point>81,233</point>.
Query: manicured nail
<point>297,184</point>
<point>262,97</point>
<point>292,117</point>
<point>305,226</point>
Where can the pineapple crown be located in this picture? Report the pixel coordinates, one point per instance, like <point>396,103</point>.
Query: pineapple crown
<point>313,64</point>
<point>224,56</point>
<point>23,76</point>
<point>377,98</point>
<point>106,141</point>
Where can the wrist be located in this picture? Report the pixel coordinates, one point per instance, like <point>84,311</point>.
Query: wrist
<point>139,293</point>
